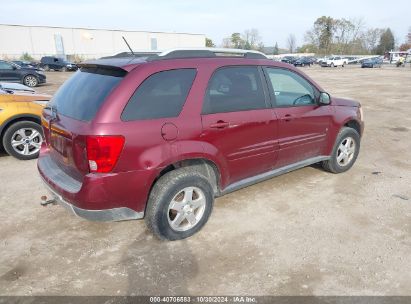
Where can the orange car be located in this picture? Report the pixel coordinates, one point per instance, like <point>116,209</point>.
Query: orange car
<point>20,112</point>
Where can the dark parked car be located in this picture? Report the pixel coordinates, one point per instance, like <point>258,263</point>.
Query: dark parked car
<point>303,61</point>
<point>372,63</point>
<point>289,59</point>
<point>54,63</point>
<point>12,72</point>
<point>26,64</point>
<point>161,138</point>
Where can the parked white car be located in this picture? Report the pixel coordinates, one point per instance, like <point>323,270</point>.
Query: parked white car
<point>334,62</point>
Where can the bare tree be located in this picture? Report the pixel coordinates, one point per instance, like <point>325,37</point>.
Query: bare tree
<point>251,38</point>
<point>291,43</point>
<point>226,43</point>
<point>370,39</point>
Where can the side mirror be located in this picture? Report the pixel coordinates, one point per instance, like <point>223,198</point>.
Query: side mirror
<point>325,98</point>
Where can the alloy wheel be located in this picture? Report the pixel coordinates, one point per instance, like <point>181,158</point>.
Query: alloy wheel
<point>26,141</point>
<point>186,209</point>
<point>30,81</point>
<point>346,151</point>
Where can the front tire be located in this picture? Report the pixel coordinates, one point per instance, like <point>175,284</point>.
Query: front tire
<point>345,151</point>
<point>30,81</point>
<point>23,139</point>
<point>179,205</point>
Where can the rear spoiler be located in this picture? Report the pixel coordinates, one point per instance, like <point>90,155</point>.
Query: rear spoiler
<point>104,69</point>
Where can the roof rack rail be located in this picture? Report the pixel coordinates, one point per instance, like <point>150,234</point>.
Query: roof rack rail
<point>208,53</point>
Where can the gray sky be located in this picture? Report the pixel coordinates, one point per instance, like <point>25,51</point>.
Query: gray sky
<point>217,19</point>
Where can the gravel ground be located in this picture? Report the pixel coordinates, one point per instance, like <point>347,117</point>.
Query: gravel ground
<point>304,233</point>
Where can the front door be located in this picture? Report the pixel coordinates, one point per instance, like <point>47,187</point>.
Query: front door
<point>238,123</point>
<point>303,123</point>
<point>8,72</point>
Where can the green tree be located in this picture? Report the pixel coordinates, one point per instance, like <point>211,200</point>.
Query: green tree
<point>322,33</point>
<point>26,57</point>
<point>276,50</point>
<point>209,43</point>
<point>387,42</point>
<point>237,41</point>
<point>247,45</point>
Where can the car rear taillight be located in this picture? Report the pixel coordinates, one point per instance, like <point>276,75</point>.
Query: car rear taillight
<point>103,152</point>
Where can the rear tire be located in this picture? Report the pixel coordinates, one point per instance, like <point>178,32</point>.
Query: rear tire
<point>345,151</point>
<point>30,81</point>
<point>12,137</point>
<point>179,204</point>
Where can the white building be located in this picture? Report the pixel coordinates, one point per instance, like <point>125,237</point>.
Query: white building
<point>87,43</point>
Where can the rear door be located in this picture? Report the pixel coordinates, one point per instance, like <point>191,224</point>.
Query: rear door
<point>238,122</point>
<point>303,123</point>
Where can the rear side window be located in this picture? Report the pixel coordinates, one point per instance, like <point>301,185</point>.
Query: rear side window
<point>82,95</point>
<point>161,95</point>
<point>234,89</point>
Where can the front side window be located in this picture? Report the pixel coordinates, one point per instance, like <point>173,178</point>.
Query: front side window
<point>290,89</point>
<point>234,89</point>
<point>161,95</point>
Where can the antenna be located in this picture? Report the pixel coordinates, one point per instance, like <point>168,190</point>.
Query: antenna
<point>128,46</point>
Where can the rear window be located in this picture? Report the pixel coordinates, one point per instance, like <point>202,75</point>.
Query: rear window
<point>82,95</point>
<point>161,95</point>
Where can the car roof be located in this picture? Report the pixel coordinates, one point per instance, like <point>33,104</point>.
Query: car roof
<point>197,54</point>
<point>128,64</point>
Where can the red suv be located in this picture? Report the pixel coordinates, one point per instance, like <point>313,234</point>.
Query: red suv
<point>161,137</point>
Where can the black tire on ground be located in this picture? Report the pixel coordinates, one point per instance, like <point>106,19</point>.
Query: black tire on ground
<point>332,164</point>
<point>30,81</point>
<point>332,65</point>
<point>165,189</point>
<point>7,138</point>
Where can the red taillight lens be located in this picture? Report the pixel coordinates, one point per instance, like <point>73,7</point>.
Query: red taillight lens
<point>103,152</point>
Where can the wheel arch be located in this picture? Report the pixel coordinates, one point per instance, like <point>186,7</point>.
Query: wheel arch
<point>29,74</point>
<point>204,165</point>
<point>21,117</point>
<point>354,124</point>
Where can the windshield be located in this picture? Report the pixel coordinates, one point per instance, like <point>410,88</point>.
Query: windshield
<point>82,95</point>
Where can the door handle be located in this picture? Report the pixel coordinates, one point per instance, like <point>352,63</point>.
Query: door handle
<point>288,117</point>
<point>220,125</point>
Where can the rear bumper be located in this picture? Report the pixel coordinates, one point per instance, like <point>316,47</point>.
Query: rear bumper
<point>102,197</point>
<point>107,215</point>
